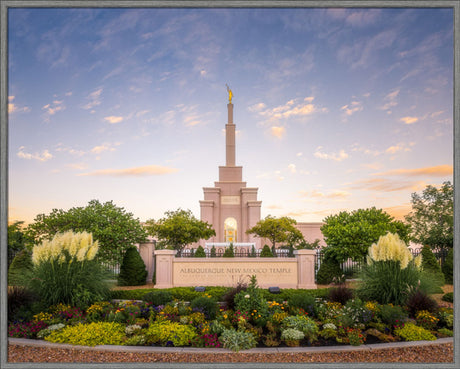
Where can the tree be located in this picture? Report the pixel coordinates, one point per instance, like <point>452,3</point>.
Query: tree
<point>178,229</point>
<point>349,235</point>
<point>17,240</point>
<point>276,229</point>
<point>114,228</point>
<point>432,217</point>
<point>132,269</point>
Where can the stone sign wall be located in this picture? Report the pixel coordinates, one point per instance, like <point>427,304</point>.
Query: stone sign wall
<point>296,272</point>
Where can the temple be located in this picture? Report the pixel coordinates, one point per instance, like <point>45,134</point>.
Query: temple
<point>231,207</point>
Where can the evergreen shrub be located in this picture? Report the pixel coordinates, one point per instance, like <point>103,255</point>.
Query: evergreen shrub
<point>266,252</point>
<point>213,252</point>
<point>448,267</point>
<point>328,271</point>
<point>132,269</point>
<point>158,297</point>
<point>20,269</point>
<point>199,253</point>
<point>207,306</point>
<point>229,252</point>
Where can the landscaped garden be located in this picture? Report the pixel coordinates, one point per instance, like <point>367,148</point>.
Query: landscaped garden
<point>68,300</point>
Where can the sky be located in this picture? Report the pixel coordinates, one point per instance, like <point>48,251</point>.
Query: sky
<point>335,109</point>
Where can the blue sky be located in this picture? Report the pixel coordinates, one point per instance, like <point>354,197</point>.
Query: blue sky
<point>335,109</point>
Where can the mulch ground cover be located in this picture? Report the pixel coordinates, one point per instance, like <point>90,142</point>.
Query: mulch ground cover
<point>435,353</point>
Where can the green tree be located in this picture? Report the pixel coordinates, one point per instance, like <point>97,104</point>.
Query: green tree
<point>132,269</point>
<point>115,229</point>
<point>432,217</point>
<point>349,235</point>
<point>178,229</point>
<point>276,229</point>
<point>266,252</point>
<point>17,239</point>
<point>200,253</point>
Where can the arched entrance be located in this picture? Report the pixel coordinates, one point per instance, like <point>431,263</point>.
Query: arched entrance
<point>230,229</point>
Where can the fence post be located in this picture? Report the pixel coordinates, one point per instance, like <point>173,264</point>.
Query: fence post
<point>164,268</point>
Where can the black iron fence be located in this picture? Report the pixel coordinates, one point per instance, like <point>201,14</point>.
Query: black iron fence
<point>239,252</point>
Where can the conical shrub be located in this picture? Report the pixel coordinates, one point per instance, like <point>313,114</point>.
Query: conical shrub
<point>132,269</point>
<point>20,269</point>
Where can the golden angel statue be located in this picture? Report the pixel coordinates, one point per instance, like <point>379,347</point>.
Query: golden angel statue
<point>230,94</point>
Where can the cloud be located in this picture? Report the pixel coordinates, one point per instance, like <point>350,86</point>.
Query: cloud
<point>44,156</point>
<point>342,155</point>
<point>294,108</point>
<point>390,101</point>
<point>353,107</point>
<point>399,147</point>
<point>113,119</point>
<point>149,170</point>
<point>387,185</point>
<point>13,108</point>
<point>94,99</point>
<point>399,211</point>
<point>292,168</point>
<point>277,132</point>
<point>53,107</point>
<point>104,147</point>
<point>338,194</point>
<point>409,120</point>
<point>436,171</point>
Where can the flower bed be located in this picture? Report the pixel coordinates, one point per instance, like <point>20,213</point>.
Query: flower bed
<point>253,322</point>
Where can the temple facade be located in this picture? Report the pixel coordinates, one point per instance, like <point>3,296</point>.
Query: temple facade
<point>231,207</point>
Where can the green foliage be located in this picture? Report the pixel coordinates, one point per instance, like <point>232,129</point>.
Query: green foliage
<point>328,270</point>
<point>237,340</point>
<point>208,306</point>
<point>20,300</point>
<point>213,252</point>
<point>429,261</point>
<point>229,252</point>
<point>252,301</point>
<point>199,253</point>
<point>392,315</point>
<point>178,229</point>
<point>17,239</point>
<point>101,333</point>
<point>158,297</point>
<point>349,235</point>
<point>385,282</point>
<point>292,334</point>
<point>276,229</point>
<point>302,323</point>
<point>65,271</point>
<point>303,301</point>
<point>114,228</point>
<point>166,331</point>
<point>132,269</point>
<point>432,216</point>
<point>20,270</point>
<point>448,267</point>
<point>266,252</point>
<point>446,332</point>
<point>411,332</point>
<point>253,253</point>
<point>449,297</point>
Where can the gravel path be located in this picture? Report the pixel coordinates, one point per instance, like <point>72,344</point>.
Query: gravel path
<point>436,352</point>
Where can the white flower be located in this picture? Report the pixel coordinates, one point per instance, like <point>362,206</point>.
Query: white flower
<point>246,296</point>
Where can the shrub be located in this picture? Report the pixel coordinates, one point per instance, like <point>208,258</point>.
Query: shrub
<point>237,340</point>
<point>448,267</point>
<point>429,262</point>
<point>446,317</point>
<point>449,297</point>
<point>132,269</point>
<point>158,297</point>
<point>292,336</point>
<point>229,296</point>
<point>65,270</point>
<point>391,271</point>
<point>252,302</point>
<point>340,294</point>
<point>446,332</point>
<point>47,331</point>
<point>302,323</point>
<point>419,300</point>
<point>20,301</point>
<point>329,269</point>
<point>213,252</point>
<point>206,340</point>
<point>410,332</point>
<point>426,320</point>
<point>206,305</point>
<point>101,333</point>
<point>229,252</point>
<point>25,329</point>
<point>199,253</point>
<point>167,332</point>
<point>253,253</point>
<point>393,316</point>
<point>20,270</point>
<point>303,301</point>
<point>266,252</point>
